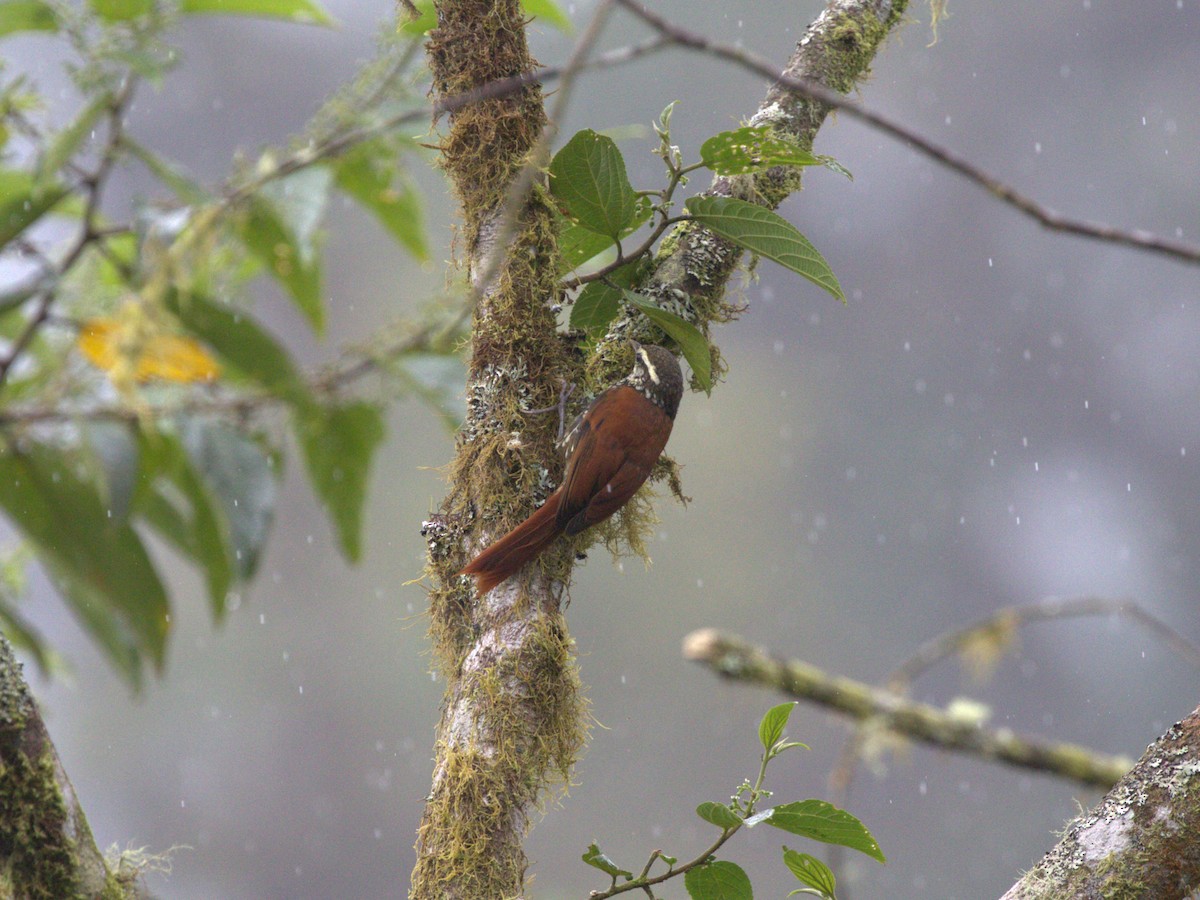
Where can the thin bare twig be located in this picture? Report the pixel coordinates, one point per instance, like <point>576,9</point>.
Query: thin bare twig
<point>995,631</point>
<point>93,186</point>
<point>1044,215</point>
<point>329,383</point>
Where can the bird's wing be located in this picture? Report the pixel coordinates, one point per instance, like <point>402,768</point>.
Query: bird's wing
<point>610,496</point>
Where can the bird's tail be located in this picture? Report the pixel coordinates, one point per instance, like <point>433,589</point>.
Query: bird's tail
<point>515,549</point>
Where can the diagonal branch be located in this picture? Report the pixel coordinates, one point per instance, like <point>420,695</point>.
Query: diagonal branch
<point>732,657</point>
<point>1047,217</point>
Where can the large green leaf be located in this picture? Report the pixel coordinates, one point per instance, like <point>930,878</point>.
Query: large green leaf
<point>14,565</point>
<point>185,187</point>
<point>597,305</point>
<point>810,871</point>
<point>67,141</point>
<point>752,149</point>
<point>550,12</point>
<point>304,11</point>
<point>684,333</point>
<point>280,229</point>
<point>588,176</point>
<point>97,561</point>
<point>770,729</point>
<point>116,455</point>
<point>576,245</point>
<point>338,444</point>
<point>369,174</point>
<point>187,515</point>
<point>766,233</point>
<point>241,477</point>
<point>718,880</point>
<point>27,15</point>
<point>242,344</point>
<point>718,814</point>
<point>121,10</point>
<point>823,821</point>
<point>24,200</point>
<point>425,21</point>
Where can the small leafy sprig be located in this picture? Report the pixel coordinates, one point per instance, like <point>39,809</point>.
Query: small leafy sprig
<point>707,878</point>
<point>601,210</point>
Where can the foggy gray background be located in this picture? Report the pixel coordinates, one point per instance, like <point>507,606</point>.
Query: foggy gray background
<point>999,414</point>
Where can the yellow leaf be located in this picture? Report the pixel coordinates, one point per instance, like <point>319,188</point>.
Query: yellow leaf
<point>110,345</point>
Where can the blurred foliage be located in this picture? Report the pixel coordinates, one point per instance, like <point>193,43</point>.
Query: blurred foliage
<point>141,399</point>
<point>143,405</point>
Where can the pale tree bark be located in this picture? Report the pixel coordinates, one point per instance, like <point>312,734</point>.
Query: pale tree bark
<point>512,721</point>
<point>1141,840</point>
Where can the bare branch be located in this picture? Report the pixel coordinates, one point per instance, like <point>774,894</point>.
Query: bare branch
<point>1044,215</point>
<point>732,657</point>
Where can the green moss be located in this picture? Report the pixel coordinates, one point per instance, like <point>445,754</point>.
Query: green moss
<point>37,859</point>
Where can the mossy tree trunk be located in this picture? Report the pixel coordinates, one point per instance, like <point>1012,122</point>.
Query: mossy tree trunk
<point>46,846</point>
<point>512,721</point>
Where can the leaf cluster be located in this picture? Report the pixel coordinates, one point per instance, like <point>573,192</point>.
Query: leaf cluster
<point>601,211</point>
<point>705,877</point>
<point>140,396</point>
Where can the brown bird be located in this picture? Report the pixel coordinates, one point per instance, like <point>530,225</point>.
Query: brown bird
<point>610,450</point>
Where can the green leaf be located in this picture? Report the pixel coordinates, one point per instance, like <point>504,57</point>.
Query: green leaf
<point>681,331</point>
<point>823,821</point>
<point>186,188</point>
<point>338,443</point>
<point>305,12</point>
<point>788,745</point>
<point>810,871</point>
<point>23,636</point>
<point>718,814</point>
<point>551,12</point>
<point>116,452</point>
<point>121,10</point>
<point>588,176</point>
<point>240,476</point>
<point>67,141</point>
<point>576,245</point>
<point>201,532</point>
<point>770,729</point>
<point>369,175</point>
<point>752,149</point>
<point>23,201</point>
<point>596,858</point>
<point>104,624</point>
<point>718,880</point>
<point>14,566</point>
<point>27,15</point>
<point>834,166</point>
<point>597,305</point>
<point>16,297</point>
<point>242,344</point>
<point>280,230</point>
<point>766,233</point>
<point>425,22</point>
<point>97,562</point>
